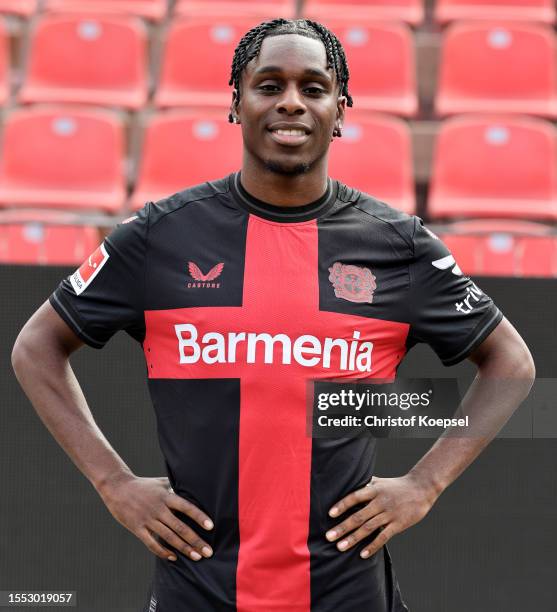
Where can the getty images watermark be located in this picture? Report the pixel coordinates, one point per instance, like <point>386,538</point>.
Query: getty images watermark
<point>427,408</point>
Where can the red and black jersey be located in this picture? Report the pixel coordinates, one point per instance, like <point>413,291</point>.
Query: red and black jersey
<point>237,305</point>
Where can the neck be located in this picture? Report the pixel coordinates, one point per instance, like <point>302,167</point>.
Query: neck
<point>281,190</point>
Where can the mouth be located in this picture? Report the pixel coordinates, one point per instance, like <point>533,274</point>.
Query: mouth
<point>290,136</point>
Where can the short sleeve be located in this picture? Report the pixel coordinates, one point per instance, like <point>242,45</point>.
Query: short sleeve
<point>105,294</point>
<point>448,310</point>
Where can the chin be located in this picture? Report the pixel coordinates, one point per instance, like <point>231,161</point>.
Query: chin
<point>287,169</point>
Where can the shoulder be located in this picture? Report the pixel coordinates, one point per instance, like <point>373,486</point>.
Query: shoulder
<point>381,214</point>
<point>202,193</point>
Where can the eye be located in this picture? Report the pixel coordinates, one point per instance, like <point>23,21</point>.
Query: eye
<point>315,90</point>
<point>268,88</point>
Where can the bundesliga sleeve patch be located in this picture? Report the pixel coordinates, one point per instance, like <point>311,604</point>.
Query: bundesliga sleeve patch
<point>86,273</point>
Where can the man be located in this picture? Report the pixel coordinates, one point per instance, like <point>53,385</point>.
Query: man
<point>241,291</point>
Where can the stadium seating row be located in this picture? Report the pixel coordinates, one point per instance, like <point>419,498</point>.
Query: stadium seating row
<point>149,9</point>
<point>106,59</point>
<point>512,248</point>
<point>44,238</point>
<point>485,67</point>
<point>73,158</point>
<point>411,11</point>
<point>489,248</point>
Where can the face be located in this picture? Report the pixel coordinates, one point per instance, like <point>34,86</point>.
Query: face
<point>289,105</point>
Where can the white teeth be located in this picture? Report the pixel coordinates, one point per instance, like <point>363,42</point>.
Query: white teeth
<point>290,132</point>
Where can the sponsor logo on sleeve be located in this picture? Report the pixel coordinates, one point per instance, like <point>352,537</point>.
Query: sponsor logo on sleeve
<point>88,270</point>
<point>446,262</point>
<point>473,296</point>
<point>352,283</point>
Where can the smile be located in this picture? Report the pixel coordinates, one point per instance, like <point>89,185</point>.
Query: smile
<point>290,137</point>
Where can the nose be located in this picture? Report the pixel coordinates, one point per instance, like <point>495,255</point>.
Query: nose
<point>291,102</point>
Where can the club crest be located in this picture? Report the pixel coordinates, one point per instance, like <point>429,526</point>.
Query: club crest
<point>352,283</point>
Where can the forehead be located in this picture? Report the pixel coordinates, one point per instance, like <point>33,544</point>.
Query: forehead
<point>291,54</point>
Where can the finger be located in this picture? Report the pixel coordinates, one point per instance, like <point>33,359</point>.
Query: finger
<point>382,538</point>
<point>354,520</point>
<point>186,507</point>
<point>364,531</point>
<point>185,532</point>
<point>145,536</point>
<point>169,536</point>
<point>356,497</point>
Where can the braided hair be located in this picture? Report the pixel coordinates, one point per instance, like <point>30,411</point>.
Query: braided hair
<point>249,47</point>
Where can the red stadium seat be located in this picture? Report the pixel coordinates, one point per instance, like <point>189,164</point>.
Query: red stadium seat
<point>503,248</point>
<point>149,9</point>
<point>25,8</point>
<point>521,10</point>
<point>44,238</point>
<point>263,9</point>
<point>4,64</point>
<point>493,67</point>
<point>183,148</point>
<point>383,81</point>
<point>91,60</point>
<point>63,158</point>
<point>184,82</point>
<point>494,167</point>
<point>411,11</point>
<point>385,170</point>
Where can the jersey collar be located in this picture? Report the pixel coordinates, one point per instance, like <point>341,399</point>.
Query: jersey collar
<point>283,214</point>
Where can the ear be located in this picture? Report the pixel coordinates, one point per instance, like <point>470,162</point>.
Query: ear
<point>341,111</point>
<point>233,115</point>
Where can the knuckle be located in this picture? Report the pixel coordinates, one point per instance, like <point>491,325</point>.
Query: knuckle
<point>369,526</point>
<point>199,516</point>
<point>340,529</point>
<point>386,500</point>
<point>159,510</point>
<point>157,550</point>
<point>173,540</point>
<point>197,542</point>
<point>179,528</point>
<point>150,523</point>
<point>358,518</point>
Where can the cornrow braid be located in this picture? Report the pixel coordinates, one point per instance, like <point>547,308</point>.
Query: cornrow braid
<point>250,45</point>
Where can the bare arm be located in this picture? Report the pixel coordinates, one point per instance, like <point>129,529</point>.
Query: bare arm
<point>40,359</point>
<point>506,372</point>
<point>505,375</point>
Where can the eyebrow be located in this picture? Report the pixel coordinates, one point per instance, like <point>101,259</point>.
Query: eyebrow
<point>308,71</point>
